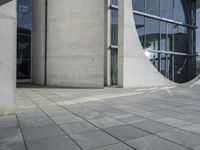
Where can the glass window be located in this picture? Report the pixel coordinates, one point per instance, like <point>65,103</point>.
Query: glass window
<point>139,21</point>
<point>114,27</point>
<point>163,36</point>
<point>166,9</point>
<point>179,10</point>
<point>180,34</point>
<point>114,2</point>
<point>139,5</point>
<point>152,29</point>
<point>114,66</point>
<point>153,7</point>
<point>198,31</point>
<point>24,14</point>
<point>180,66</point>
<point>154,58</point>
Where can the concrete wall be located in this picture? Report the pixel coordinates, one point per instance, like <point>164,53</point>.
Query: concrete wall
<point>7,57</point>
<point>75,56</point>
<point>134,69</point>
<point>38,42</point>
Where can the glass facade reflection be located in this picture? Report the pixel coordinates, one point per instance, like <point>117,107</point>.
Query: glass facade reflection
<point>24,25</point>
<point>168,31</point>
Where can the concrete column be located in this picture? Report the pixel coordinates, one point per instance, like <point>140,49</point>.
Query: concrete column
<point>134,68</point>
<point>76,38</point>
<point>38,42</point>
<point>7,56</point>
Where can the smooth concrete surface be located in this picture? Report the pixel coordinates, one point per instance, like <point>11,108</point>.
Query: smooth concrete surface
<point>159,118</point>
<point>134,68</point>
<point>7,57</point>
<point>75,43</point>
<point>38,42</point>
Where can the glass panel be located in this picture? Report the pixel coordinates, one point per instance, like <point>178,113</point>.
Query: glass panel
<point>23,69</point>
<point>179,10</point>
<point>180,66</point>
<point>24,15</point>
<point>163,36</point>
<point>169,37</point>
<point>154,58</point>
<point>180,35</point>
<point>139,21</point>
<point>166,9</point>
<point>153,7</point>
<point>152,29</point>
<point>139,5</point>
<point>198,31</point>
<point>23,46</point>
<point>114,66</point>
<point>114,2</point>
<point>114,27</point>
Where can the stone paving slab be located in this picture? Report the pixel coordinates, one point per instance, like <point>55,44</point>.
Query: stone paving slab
<point>159,118</point>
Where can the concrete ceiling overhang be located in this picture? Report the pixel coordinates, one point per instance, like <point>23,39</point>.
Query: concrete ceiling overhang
<point>2,2</point>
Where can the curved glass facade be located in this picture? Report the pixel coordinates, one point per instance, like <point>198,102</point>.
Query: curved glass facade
<point>168,31</point>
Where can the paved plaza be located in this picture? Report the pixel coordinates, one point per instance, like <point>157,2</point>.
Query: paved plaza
<point>166,118</point>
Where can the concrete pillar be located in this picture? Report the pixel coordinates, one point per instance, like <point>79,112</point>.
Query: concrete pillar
<point>7,56</point>
<point>38,42</point>
<point>134,68</point>
<point>76,38</point>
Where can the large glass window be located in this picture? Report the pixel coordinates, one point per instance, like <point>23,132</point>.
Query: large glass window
<point>114,27</point>
<point>139,5</point>
<point>152,28</point>
<point>169,32</point>
<point>166,8</point>
<point>24,26</point>
<point>140,25</point>
<point>153,7</point>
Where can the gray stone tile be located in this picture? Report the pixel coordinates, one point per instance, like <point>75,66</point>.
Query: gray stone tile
<point>126,132</point>
<point>174,122</point>
<point>181,137</point>
<point>152,142</point>
<point>76,127</point>
<point>56,143</point>
<point>118,146</point>
<point>10,136</point>
<point>41,132</point>
<point>8,121</point>
<point>34,121</point>
<point>93,139</point>
<point>106,122</point>
<point>130,118</point>
<point>151,126</point>
<point>196,147</point>
<point>18,146</point>
<point>195,128</point>
<point>66,119</point>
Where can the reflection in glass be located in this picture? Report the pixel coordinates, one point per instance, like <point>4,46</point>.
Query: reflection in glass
<point>24,26</point>
<point>114,27</point>
<point>152,7</point>
<point>166,8</point>
<point>139,21</point>
<point>152,28</point>
<point>114,66</point>
<point>139,5</point>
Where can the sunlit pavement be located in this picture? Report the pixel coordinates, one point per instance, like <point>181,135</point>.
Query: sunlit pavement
<point>165,118</point>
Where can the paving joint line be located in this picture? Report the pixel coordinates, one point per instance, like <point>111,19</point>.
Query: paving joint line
<point>55,123</point>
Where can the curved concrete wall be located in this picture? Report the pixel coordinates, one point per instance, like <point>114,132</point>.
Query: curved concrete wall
<point>7,57</point>
<point>75,56</point>
<point>134,70</point>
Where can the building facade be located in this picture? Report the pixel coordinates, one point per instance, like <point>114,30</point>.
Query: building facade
<point>98,43</point>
